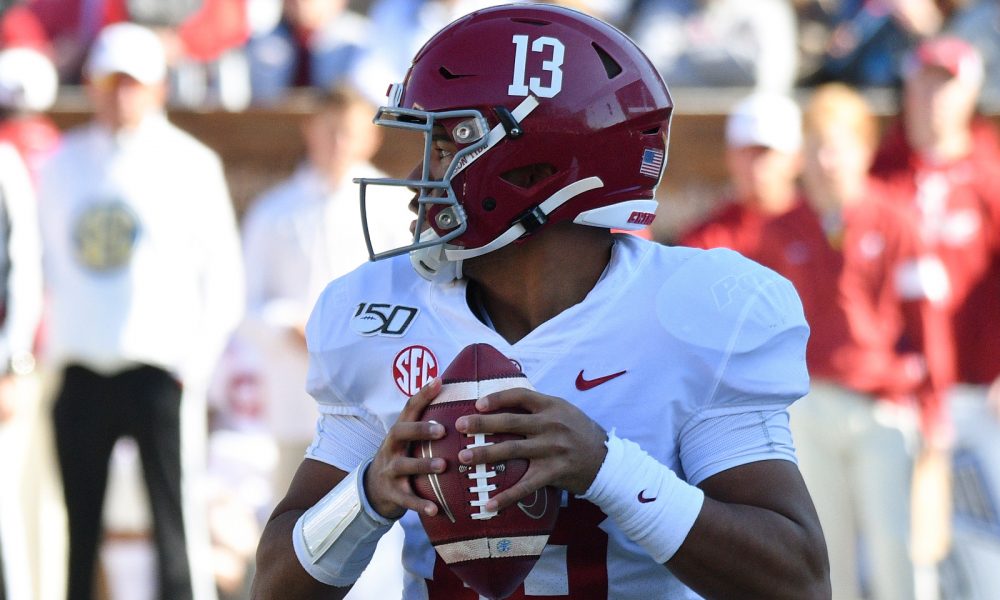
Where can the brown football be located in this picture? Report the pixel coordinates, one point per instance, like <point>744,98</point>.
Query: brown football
<point>491,552</point>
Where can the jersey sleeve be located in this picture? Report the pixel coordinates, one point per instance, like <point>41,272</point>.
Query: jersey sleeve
<point>347,432</point>
<point>344,441</point>
<point>764,363</point>
<point>751,344</point>
<point>322,335</point>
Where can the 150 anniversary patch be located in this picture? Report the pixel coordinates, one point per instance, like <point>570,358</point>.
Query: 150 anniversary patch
<point>373,318</point>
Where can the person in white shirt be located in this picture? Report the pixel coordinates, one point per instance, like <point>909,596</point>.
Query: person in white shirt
<point>298,237</point>
<point>145,281</point>
<point>663,373</point>
<point>20,313</point>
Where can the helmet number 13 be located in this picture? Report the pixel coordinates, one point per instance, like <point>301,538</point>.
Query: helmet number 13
<point>518,86</point>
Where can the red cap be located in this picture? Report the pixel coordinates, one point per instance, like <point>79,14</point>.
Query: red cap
<point>955,55</point>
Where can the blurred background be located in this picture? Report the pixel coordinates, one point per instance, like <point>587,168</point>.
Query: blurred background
<point>231,214</point>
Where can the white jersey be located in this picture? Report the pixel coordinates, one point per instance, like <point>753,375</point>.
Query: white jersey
<point>692,354</point>
<point>142,256</point>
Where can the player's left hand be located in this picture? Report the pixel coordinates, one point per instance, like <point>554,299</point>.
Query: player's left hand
<point>565,446</point>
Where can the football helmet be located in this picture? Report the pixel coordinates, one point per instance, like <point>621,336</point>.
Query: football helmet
<point>556,116</point>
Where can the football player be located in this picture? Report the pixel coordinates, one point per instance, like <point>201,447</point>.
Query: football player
<point>665,373</point>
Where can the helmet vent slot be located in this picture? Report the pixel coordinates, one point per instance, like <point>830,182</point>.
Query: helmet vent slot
<point>528,176</point>
<point>536,22</point>
<point>651,131</point>
<point>611,66</point>
<point>449,75</point>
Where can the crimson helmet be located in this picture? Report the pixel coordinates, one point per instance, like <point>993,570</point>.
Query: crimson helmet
<point>527,87</point>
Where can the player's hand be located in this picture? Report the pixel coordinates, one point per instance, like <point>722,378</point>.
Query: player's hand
<point>565,446</point>
<point>387,480</point>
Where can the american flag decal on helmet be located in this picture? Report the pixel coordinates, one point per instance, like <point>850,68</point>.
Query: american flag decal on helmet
<point>652,162</point>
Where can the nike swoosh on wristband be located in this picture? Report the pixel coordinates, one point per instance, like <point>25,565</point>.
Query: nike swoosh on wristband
<point>584,384</point>
<point>643,499</point>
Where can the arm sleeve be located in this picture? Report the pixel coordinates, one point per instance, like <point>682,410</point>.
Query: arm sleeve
<point>344,440</point>
<point>713,444</point>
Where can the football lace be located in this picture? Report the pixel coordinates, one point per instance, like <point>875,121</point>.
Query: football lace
<point>481,475</point>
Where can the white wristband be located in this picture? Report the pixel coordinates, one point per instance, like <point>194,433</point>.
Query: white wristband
<point>645,498</point>
<point>336,538</point>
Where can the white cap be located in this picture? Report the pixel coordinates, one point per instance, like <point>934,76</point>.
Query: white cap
<point>765,119</point>
<point>129,49</point>
<point>28,80</point>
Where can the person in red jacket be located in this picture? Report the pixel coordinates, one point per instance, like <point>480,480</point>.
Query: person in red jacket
<point>768,220</point>
<point>945,160</point>
<point>858,265</point>
<point>860,430</point>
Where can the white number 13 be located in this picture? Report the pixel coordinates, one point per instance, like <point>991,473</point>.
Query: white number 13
<point>518,87</point>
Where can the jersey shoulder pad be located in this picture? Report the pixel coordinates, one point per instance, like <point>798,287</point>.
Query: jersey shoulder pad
<point>744,322</point>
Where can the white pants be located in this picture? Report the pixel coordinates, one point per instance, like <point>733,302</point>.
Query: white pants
<point>856,456</point>
<point>32,517</point>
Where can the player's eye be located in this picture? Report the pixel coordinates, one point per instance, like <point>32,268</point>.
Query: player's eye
<point>443,151</point>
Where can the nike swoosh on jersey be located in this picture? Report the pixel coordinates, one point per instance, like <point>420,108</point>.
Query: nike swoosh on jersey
<point>643,499</point>
<point>584,384</point>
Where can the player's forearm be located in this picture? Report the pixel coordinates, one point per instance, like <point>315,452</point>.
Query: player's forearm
<point>279,574</point>
<point>747,532</point>
<point>740,551</point>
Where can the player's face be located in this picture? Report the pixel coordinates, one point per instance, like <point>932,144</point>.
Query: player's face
<point>937,106</point>
<point>122,102</point>
<point>443,151</point>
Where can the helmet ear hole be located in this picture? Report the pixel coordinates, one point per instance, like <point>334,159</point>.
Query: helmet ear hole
<point>489,204</point>
<point>528,176</point>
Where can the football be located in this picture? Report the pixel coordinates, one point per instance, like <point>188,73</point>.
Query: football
<point>491,552</point>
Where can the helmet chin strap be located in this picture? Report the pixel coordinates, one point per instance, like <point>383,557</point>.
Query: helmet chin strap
<point>539,215</point>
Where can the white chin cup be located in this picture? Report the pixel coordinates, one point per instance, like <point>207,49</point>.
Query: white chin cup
<point>432,264</point>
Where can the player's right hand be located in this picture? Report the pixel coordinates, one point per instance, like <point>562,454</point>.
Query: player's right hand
<point>387,480</point>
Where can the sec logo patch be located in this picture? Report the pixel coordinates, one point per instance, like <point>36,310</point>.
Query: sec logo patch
<point>413,367</point>
<point>105,235</point>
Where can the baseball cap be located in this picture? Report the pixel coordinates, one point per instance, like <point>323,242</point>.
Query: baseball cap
<point>765,119</point>
<point>28,80</point>
<point>129,49</point>
<point>955,55</point>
